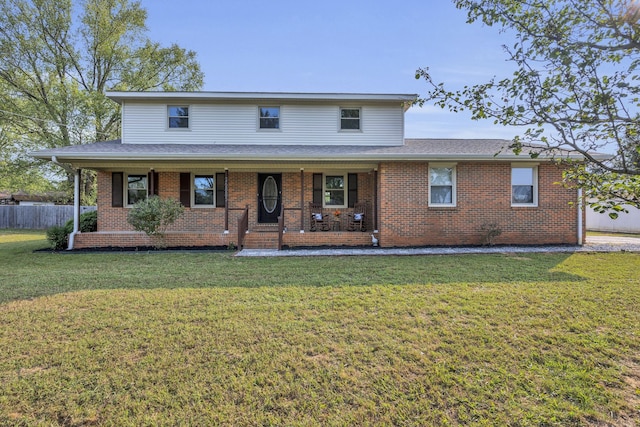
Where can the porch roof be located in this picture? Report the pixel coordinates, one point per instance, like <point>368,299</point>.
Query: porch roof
<point>412,150</point>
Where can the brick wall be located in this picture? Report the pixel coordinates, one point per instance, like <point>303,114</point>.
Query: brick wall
<point>404,215</point>
<point>483,197</point>
<point>195,219</point>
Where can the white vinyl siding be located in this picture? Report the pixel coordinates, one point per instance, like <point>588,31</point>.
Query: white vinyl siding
<point>235,123</point>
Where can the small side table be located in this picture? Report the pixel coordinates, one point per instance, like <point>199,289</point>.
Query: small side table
<point>336,225</point>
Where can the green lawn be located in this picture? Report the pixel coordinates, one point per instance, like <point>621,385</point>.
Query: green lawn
<point>209,339</point>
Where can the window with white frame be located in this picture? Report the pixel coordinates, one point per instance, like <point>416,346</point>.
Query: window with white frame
<point>269,117</point>
<point>204,190</point>
<point>442,185</point>
<point>349,119</point>
<point>524,185</point>
<point>137,188</point>
<point>335,191</point>
<point>178,116</point>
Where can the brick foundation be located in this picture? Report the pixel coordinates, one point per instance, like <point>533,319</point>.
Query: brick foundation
<point>130,239</point>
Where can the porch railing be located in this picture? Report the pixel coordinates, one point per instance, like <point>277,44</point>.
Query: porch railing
<point>280,227</point>
<point>243,227</point>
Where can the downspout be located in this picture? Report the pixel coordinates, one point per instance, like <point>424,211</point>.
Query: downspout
<point>302,200</point>
<point>226,201</point>
<point>76,203</point>
<point>580,209</point>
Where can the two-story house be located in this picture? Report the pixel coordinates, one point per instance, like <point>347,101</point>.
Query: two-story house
<point>330,165</point>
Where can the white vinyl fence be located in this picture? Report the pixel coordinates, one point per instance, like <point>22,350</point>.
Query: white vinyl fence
<point>37,217</point>
<point>625,223</point>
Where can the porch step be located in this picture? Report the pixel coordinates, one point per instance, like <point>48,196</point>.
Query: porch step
<point>265,228</point>
<point>261,239</point>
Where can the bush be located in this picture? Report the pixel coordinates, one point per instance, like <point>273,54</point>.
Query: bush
<point>490,230</point>
<point>58,237</point>
<point>88,223</point>
<point>153,215</point>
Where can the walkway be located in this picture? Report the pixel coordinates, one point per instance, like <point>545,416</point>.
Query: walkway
<point>594,244</point>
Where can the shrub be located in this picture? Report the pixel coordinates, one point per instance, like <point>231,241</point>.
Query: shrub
<point>58,237</point>
<point>153,215</point>
<point>88,223</point>
<point>490,230</point>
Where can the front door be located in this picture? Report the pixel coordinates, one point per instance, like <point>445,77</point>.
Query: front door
<point>269,197</point>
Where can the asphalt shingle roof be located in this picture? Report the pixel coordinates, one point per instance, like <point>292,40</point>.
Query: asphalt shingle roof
<point>413,149</point>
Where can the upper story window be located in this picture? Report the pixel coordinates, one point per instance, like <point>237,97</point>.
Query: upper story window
<point>442,185</point>
<point>350,119</point>
<point>178,116</point>
<point>524,186</point>
<point>137,188</point>
<point>204,190</point>
<point>269,117</point>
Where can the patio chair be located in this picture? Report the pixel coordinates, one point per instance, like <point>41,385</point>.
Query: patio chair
<point>319,220</point>
<point>355,219</point>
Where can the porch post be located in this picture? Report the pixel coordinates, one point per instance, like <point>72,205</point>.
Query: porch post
<point>301,200</point>
<point>76,208</point>
<point>226,200</point>
<point>152,184</point>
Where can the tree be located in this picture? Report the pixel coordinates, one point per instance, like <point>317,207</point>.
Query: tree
<point>575,88</point>
<point>58,59</point>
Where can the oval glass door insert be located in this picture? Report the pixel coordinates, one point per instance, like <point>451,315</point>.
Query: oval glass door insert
<point>269,194</point>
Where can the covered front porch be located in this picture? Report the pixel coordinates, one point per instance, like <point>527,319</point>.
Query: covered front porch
<point>309,207</point>
<point>257,206</point>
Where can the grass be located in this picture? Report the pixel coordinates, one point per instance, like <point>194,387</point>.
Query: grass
<point>209,339</point>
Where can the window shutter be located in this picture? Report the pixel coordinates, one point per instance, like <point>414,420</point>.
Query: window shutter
<point>117,186</point>
<point>185,189</point>
<point>220,196</point>
<point>317,189</point>
<point>353,189</point>
<point>153,179</point>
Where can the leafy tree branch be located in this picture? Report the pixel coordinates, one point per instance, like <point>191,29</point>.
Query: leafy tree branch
<point>574,89</point>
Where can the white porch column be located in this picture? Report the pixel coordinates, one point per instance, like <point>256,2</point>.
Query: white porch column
<point>76,208</point>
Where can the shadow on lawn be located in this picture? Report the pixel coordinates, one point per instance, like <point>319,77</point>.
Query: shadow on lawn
<point>33,274</point>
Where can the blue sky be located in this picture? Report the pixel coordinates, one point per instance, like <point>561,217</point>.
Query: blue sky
<point>339,46</point>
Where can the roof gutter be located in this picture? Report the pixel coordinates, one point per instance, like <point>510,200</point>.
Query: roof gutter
<point>120,96</point>
<point>280,157</point>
